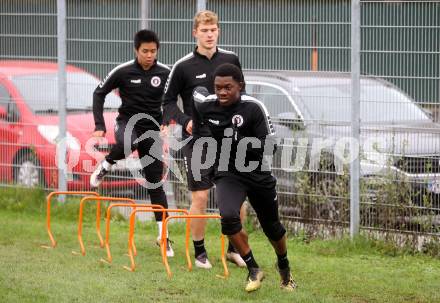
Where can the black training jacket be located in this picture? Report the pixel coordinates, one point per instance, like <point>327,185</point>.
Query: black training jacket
<point>248,118</point>
<point>187,73</point>
<point>140,91</point>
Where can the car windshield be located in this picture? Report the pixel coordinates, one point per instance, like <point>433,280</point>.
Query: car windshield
<point>379,103</point>
<point>275,98</point>
<point>40,92</point>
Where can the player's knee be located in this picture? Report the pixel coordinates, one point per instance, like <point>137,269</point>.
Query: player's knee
<point>230,225</point>
<point>200,197</point>
<point>199,200</point>
<point>273,230</point>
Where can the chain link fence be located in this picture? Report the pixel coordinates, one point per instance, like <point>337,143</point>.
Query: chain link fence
<point>297,60</point>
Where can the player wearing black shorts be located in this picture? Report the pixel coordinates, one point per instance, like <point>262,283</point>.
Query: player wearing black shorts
<point>244,138</point>
<point>196,69</point>
<point>141,84</point>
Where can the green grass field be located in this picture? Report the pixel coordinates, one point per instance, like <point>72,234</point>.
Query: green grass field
<point>326,271</point>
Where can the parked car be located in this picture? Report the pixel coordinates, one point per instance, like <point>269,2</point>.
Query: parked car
<point>29,127</point>
<point>399,143</point>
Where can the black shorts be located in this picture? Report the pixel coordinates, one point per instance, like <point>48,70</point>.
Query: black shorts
<point>231,192</point>
<point>197,178</point>
<point>153,167</point>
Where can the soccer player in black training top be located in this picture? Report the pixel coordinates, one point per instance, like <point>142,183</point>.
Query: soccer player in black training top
<point>196,69</point>
<point>240,124</point>
<point>141,84</point>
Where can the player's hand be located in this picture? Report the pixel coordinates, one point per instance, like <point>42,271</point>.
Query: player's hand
<point>164,131</point>
<point>189,127</point>
<point>98,133</point>
<point>164,135</point>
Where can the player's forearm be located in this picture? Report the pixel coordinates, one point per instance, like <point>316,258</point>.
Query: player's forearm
<point>172,112</point>
<point>98,111</point>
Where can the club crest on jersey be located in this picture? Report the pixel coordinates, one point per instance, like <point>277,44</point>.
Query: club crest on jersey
<point>155,81</point>
<point>237,120</point>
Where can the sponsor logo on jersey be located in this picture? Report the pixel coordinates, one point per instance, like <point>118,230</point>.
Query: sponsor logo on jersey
<point>135,81</point>
<point>216,122</point>
<point>202,76</point>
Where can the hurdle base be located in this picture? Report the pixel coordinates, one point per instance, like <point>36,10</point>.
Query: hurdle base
<point>128,268</point>
<point>102,260</point>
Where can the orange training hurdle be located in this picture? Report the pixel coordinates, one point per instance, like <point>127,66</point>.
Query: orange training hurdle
<point>107,229</point>
<point>131,248</point>
<point>222,240</point>
<point>98,217</point>
<point>49,198</point>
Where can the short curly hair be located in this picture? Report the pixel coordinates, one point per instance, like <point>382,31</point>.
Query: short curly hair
<point>229,70</point>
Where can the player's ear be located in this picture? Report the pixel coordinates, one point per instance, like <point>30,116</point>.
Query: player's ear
<point>241,84</point>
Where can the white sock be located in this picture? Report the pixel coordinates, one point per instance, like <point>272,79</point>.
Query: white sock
<point>159,227</point>
<point>106,165</point>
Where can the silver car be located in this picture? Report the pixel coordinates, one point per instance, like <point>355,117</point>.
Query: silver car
<point>399,144</point>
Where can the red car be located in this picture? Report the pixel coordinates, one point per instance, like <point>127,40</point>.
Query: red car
<point>29,127</point>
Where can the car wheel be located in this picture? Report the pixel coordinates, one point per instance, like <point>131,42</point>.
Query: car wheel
<point>27,170</point>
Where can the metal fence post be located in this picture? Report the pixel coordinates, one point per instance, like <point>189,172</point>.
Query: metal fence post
<point>62,96</point>
<point>355,116</point>
<point>145,13</point>
<point>201,5</point>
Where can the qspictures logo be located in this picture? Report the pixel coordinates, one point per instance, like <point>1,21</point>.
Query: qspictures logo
<point>208,152</point>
